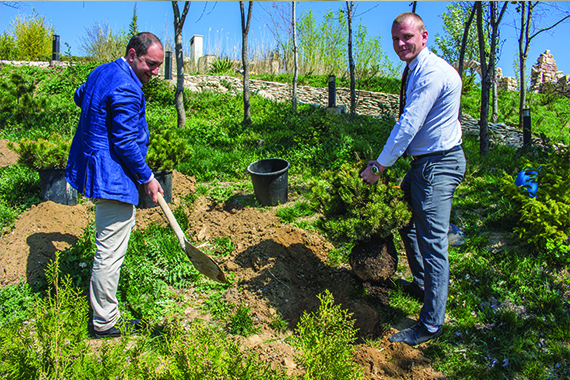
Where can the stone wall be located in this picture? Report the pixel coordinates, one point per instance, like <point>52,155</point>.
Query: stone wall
<point>368,103</point>
<point>545,76</point>
<point>35,63</point>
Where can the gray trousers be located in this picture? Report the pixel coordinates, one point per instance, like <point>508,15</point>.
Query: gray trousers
<point>114,221</point>
<point>429,187</point>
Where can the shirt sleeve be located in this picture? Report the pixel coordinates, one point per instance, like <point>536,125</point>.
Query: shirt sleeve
<point>419,101</point>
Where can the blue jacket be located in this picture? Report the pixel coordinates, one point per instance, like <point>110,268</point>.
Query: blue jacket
<point>107,156</point>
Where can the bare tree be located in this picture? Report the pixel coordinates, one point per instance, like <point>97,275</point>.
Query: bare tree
<point>487,69</point>
<point>244,32</point>
<point>295,56</point>
<point>528,30</point>
<point>351,66</point>
<point>463,48</point>
<point>464,41</point>
<point>179,96</point>
<point>279,24</point>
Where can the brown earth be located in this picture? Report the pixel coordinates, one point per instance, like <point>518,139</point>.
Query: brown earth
<point>7,156</point>
<point>280,270</point>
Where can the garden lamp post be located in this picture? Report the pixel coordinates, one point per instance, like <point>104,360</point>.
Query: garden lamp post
<point>526,126</point>
<point>55,48</point>
<point>332,91</point>
<point>168,65</point>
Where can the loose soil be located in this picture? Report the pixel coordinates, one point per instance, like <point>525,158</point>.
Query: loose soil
<point>7,156</point>
<point>281,269</point>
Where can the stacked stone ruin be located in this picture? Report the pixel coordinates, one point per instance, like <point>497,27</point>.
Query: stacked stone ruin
<point>545,76</point>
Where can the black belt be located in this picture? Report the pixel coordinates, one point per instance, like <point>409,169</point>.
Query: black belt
<point>440,153</point>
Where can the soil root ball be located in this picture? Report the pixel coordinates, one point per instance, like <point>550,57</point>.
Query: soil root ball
<point>375,260</point>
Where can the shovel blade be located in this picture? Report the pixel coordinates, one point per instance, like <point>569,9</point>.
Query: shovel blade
<point>203,263</point>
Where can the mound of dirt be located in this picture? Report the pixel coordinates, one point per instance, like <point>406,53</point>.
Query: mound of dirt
<point>38,233</point>
<point>7,156</point>
<point>279,271</point>
<point>394,361</point>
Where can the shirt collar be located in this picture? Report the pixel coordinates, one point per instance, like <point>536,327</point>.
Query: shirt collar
<point>420,57</point>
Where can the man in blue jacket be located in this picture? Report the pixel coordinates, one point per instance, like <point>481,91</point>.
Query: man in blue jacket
<point>107,163</point>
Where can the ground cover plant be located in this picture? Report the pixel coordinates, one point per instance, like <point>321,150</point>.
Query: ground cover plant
<point>509,300</point>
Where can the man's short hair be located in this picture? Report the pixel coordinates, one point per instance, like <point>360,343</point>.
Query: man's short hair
<point>418,20</point>
<point>141,42</point>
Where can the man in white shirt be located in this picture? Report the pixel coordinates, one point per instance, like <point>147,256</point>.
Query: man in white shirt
<point>429,131</point>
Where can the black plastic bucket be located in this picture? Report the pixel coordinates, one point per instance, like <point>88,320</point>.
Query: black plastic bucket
<point>55,188</point>
<point>164,178</point>
<point>270,181</point>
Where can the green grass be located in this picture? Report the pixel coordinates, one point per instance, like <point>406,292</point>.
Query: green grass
<point>19,189</point>
<point>291,213</point>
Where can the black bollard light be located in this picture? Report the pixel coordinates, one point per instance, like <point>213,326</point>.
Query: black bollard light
<point>332,91</point>
<point>526,126</point>
<point>168,65</point>
<point>55,48</point>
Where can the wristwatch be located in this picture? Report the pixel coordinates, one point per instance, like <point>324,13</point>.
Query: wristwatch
<point>374,170</point>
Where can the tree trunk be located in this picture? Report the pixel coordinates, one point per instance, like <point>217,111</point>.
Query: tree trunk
<point>349,8</point>
<point>526,14</point>
<point>464,42</point>
<point>485,86</point>
<point>462,51</point>
<point>244,33</point>
<point>295,58</point>
<point>495,107</point>
<point>495,21</point>
<point>487,71</point>
<point>179,95</point>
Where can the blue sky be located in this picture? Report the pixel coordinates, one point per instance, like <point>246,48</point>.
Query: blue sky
<point>219,23</point>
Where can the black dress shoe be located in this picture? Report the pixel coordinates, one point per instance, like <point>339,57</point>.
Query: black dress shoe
<point>412,289</point>
<point>115,331</point>
<point>416,334</point>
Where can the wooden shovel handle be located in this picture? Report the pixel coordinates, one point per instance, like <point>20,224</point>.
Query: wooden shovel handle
<point>172,221</point>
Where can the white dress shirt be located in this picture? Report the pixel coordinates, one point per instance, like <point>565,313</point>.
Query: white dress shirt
<point>430,120</point>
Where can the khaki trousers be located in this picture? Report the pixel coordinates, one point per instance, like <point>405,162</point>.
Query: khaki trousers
<point>114,221</point>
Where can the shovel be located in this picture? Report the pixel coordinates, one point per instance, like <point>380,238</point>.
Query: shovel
<point>201,261</point>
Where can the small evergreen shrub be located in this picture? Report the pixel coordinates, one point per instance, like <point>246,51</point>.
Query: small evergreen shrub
<point>41,153</point>
<point>159,91</point>
<point>47,346</point>
<point>166,150</point>
<point>544,219</point>
<point>19,98</point>
<point>325,339</point>
<point>354,210</point>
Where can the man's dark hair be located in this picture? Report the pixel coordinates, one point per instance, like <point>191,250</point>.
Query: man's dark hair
<point>141,42</point>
